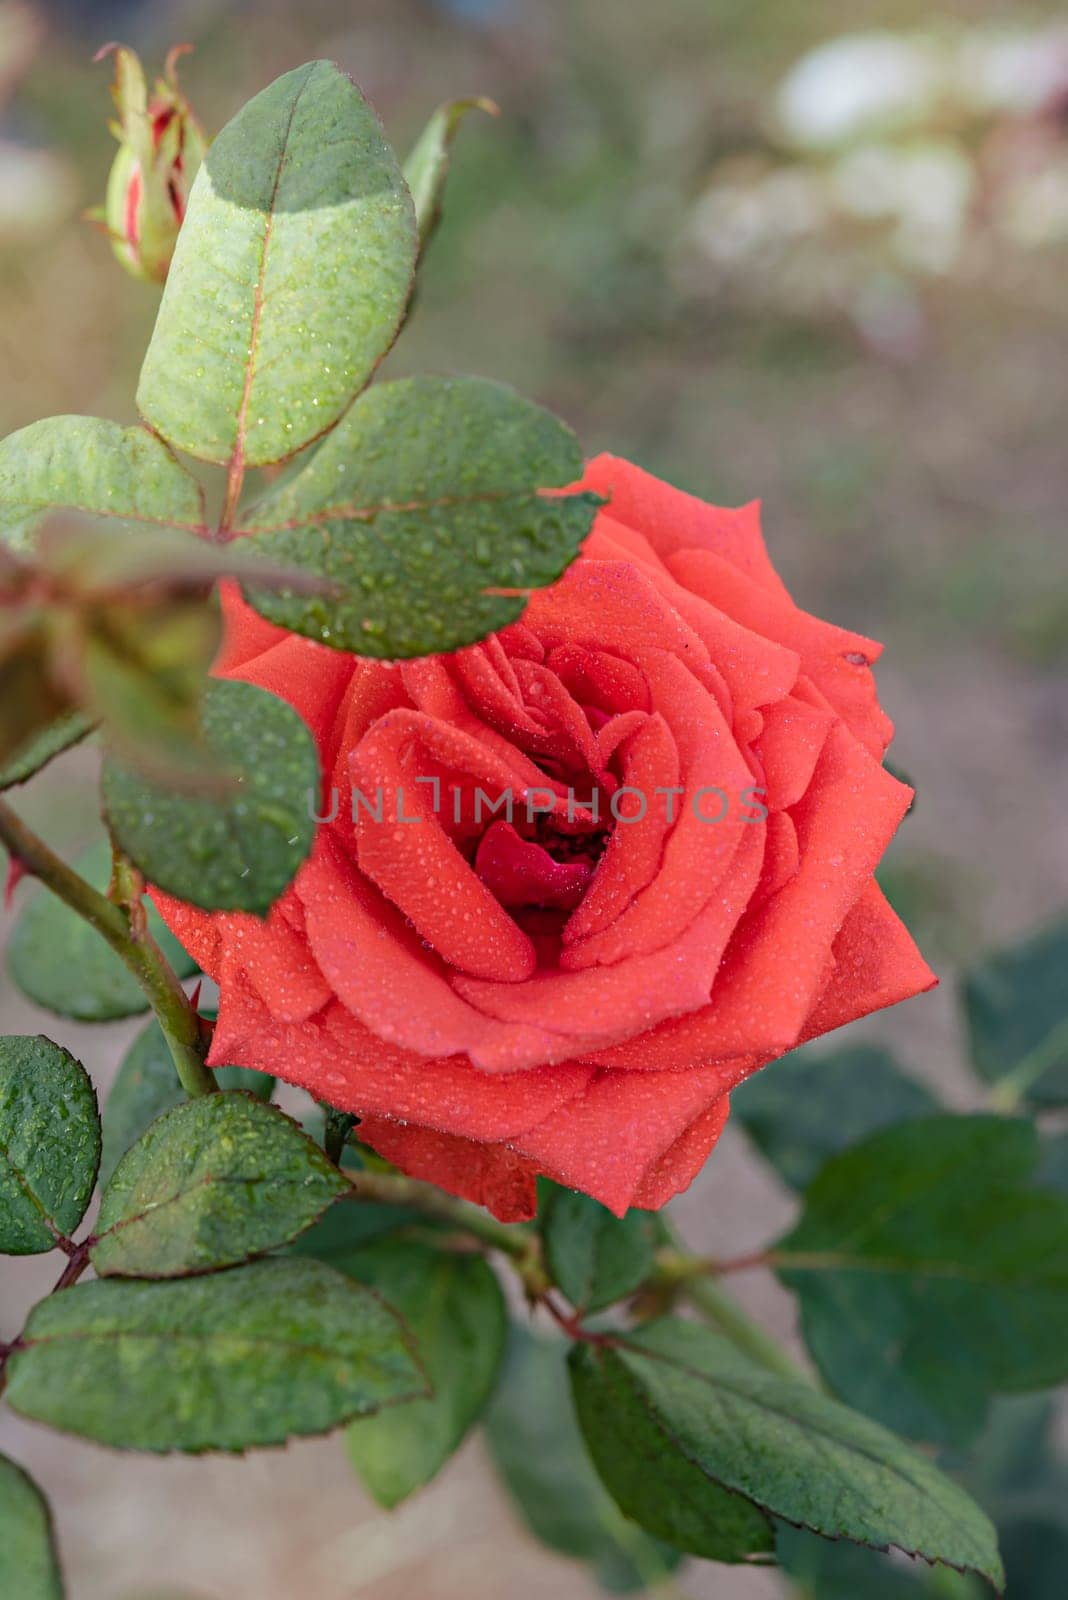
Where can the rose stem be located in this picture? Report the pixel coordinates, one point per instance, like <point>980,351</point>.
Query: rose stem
<point>130,940</point>
<point>518,1243</point>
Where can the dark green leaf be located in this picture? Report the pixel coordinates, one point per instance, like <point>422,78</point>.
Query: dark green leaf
<point>650,1479</point>
<point>675,1417</point>
<point>807,1106</point>
<point>235,853</point>
<point>224,1362</point>
<point>427,167</point>
<point>29,1569</point>
<point>453,1306</point>
<point>89,465</point>
<point>49,1144</point>
<point>932,1273</point>
<point>349,1225</point>
<point>829,1570</point>
<point>64,965</point>
<point>421,507</point>
<point>51,741</point>
<point>594,1257</point>
<point>290,276</point>
<point>146,1085</point>
<point>212,1182</point>
<point>1016,1009</point>
<point>540,1455</point>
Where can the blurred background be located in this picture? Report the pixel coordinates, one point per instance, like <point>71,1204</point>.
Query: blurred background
<point>813,253</point>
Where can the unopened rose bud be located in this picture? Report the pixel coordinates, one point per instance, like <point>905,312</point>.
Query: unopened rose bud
<point>161,144</point>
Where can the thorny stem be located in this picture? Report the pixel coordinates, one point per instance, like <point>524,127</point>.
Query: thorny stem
<point>676,1271</point>
<point>123,926</point>
<point>693,1277</point>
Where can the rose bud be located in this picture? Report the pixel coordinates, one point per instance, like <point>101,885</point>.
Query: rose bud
<point>574,989</point>
<point>161,145</point>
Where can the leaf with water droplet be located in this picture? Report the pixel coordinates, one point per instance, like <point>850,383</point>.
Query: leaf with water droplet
<point>49,1144</point>
<point>299,226</point>
<point>212,1182</point>
<point>426,510</point>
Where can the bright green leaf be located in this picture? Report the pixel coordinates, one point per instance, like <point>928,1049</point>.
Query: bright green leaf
<point>290,277</point>
<point>49,1144</point>
<point>89,465</point>
<point>421,507</point>
<point>539,1453</point>
<point>809,1105</point>
<point>29,1568</point>
<point>213,1182</point>
<point>146,1085</point>
<point>235,853</point>
<point>1016,1009</point>
<point>933,1273</point>
<point>223,1362</point>
<point>64,965</point>
<point>690,1436</point>
<point>453,1306</point>
<point>427,167</point>
<point>594,1257</point>
<point>43,747</point>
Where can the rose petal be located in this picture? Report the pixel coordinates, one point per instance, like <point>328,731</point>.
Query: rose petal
<point>492,1175</point>
<point>672,520</point>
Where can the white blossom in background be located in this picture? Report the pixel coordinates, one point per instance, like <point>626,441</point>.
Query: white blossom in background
<point>891,159</point>
<point>858,84</point>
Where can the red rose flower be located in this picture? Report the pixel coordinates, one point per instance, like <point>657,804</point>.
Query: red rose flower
<point>580,879</point>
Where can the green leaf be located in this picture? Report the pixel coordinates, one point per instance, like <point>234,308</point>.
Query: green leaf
<point>89,465</point>
<point>427,167</point>
<point>290,276</point>
<point>224,1362</point>
<point>539,1453</point>
<point>350,1225</point>
<point>648,1476</point>
<point>49,1144</point>
<point>60,735</point>
<point>420,508</point>
<point>594,1257</point>
<point>234,853</point>
<point>932,1273</point>
<point>827,1570</point>
<point>808,1106</point>
<point>453,1306</point>
<point>29,1567</point>
<point>691,1436</point>
<point>64,965</point>
<point>213,1182</point>
<point>1016,1010</point>
<point>146,1085</point>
